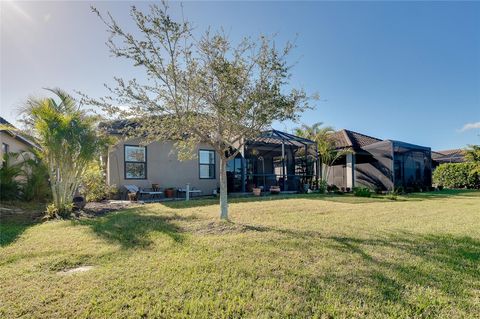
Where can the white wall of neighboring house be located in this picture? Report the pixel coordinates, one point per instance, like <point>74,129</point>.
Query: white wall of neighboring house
<point>13,144</point>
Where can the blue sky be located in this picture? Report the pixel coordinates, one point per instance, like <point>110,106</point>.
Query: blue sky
<point>408,71</point>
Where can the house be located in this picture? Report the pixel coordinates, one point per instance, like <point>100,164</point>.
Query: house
<point>379,164</point>
<point>12,141</point>
<point>447,156</point>
<point>274,158</point>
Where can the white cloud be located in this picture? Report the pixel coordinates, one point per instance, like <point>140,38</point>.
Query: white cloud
<point>470,126</point>
<point>47,17</point>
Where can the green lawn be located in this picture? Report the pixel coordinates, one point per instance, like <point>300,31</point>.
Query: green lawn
<point>298,256</point>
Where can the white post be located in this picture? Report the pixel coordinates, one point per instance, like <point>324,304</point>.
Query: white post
<point>350,167</point>
<point>187,192</point>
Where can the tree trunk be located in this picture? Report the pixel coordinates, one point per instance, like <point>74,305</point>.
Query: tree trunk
<point>223,189</point>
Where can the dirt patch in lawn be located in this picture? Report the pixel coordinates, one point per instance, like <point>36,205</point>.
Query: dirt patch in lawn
<point>94,209</point>
<point>75,270</point>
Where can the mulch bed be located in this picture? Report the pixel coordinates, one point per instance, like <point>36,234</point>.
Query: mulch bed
<point>19,215</point>
<point>95,209</point>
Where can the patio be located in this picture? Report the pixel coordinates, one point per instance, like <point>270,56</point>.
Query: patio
<point>275,158</point>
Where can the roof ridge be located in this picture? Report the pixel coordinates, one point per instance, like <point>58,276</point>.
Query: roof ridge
<point>369,136</point>
<point>347,138</point>
<point>450,150</point>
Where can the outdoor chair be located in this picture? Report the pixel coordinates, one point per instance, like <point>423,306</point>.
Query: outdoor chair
<point>192,191</point>
<point>135,192</point>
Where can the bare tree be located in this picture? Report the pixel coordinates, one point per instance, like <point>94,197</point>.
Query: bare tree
<point>198,90</point>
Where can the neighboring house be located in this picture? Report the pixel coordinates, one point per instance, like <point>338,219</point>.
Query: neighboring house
<point>379,164</point>
<point>11,141</point>
<point>274,158</point>
<point>447,156</point>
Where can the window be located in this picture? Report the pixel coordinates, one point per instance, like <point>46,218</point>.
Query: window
<point>135,162</point>
<point>206,164</point>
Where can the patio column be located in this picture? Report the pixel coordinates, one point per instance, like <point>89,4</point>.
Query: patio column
<point>283,165</point>
<point>350,167</point>
<point>317,165</point>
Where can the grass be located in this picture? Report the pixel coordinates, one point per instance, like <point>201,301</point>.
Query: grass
<point>16,217</point>
<point>293,256</point>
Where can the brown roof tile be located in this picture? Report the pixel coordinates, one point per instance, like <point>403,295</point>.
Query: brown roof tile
<point>452,152</point>
<point>449,156</point>
<point>346,138</point>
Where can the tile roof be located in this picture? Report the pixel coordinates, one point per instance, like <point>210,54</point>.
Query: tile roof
<point>451,156</point>
<point>15,134</point>
<point>346,138</point>
<point>453,152</point>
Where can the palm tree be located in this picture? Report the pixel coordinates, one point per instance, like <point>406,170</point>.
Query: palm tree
<point>68,143</point>
<point>327,152</point>
<point>314,131</point>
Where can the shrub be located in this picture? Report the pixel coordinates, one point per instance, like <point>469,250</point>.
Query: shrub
<point>23,177</point>
<point>36,185</point>
<point>9,177</point>
<point>361,192</point>
<point>53,211</point>
<point>94,184</point>
<point>457,175</point>
<point>391,196</point>
<point>322,186</point>
<point>399,190</point>
<point>332,188</point>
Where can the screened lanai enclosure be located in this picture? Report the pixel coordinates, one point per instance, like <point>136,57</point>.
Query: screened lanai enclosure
<point>275,158</point>
<point>385,165</point>
<point>396,164</point>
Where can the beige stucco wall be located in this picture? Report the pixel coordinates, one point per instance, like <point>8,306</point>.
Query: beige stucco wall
<point>14,145</point>
<point>163,167</point>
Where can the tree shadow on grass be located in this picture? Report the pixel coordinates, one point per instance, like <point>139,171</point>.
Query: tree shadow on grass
<point>132,228</point>
<point>343,199</point>
<point>12,225</point>
<point>11,231</point>
<point>251,199</point>
<point>397,262</point>
<point>398,265</point>
<point>449,193</point>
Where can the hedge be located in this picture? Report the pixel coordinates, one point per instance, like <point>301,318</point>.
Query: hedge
<point>457,175</point>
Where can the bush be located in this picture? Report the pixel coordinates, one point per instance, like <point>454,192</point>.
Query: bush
<point>322,186</point>
<point>332,188</point>
<point>361,192</point>
<point>391,196</point>
<point>53,212</point>
<point>457,175</point>
<point>36,185</point>
<point>10,173</point>
<point>399,190</point>
<point>94,184</point>
<point>23,177</point>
